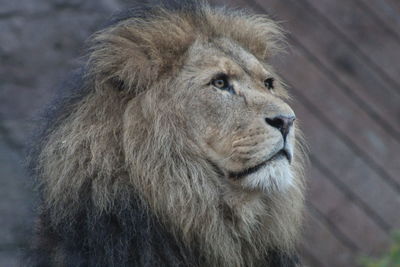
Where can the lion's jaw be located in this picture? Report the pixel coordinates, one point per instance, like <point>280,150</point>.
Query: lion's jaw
<point>276,176</point>
<point>265,166</point>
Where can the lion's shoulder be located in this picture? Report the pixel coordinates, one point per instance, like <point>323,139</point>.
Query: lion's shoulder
<point>128,235</point>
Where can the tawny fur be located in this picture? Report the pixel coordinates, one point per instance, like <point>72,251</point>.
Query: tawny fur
<point>127,139</point>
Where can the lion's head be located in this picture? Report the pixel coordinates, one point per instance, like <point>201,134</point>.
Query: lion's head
<point>181,107</point>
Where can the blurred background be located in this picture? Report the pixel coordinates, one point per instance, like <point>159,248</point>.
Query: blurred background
<point>343,69</point>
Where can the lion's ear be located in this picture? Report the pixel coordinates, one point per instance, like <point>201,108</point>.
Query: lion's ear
<point>133,55</point>
<point>120,61</point>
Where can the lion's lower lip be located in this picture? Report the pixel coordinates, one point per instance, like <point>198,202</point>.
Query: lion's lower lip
<point>241,174</point>
<point>287,154</point>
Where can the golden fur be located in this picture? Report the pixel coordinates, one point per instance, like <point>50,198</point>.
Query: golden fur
<point>143,138</point>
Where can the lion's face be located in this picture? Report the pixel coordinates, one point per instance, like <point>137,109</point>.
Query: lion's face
<point>234,109</point>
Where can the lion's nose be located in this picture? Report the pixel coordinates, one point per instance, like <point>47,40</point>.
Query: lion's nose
<point>282,123</point>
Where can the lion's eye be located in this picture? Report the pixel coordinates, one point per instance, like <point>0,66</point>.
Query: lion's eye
<point>221,82</point>
<point>269,83</point>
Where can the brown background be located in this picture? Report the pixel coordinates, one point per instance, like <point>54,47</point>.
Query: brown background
<point>343,69</point>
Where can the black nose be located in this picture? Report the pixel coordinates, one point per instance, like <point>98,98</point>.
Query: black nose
<point>282,123</point>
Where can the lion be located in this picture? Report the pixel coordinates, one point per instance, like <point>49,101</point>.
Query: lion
<point>174,145</point>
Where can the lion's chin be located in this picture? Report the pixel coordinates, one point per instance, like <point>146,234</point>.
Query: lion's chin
<point>274,176</point>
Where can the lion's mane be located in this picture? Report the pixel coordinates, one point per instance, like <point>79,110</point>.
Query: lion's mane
<point>116,194</point>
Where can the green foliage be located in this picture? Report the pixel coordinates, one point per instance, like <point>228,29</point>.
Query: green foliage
<point>389,259</point>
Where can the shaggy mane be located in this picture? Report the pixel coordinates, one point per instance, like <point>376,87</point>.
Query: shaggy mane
<point>96,172</point>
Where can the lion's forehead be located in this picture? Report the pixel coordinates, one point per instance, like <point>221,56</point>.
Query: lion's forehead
<point>228,57</point>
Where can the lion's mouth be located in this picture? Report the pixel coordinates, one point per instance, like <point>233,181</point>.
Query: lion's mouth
<point>283,153</point>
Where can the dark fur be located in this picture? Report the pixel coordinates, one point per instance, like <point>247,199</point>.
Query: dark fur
<point>131,238</point>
